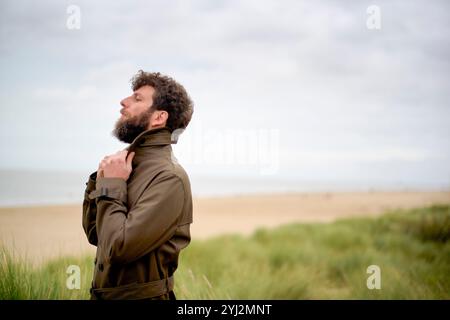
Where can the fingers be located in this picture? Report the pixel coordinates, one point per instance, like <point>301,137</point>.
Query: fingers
<point>123,158</point>
<point>118,155</point>
<point>104,162</point>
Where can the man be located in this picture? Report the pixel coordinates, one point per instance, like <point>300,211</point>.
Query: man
<point>137,207</point>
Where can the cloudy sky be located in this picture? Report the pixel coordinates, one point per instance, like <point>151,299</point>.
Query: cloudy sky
<point>282,89</point>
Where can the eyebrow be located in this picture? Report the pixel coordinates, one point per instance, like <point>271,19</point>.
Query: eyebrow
<point>137,94</point>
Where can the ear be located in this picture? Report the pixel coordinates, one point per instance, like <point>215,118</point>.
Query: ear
<point>164,115</point>
<point>160,118</point>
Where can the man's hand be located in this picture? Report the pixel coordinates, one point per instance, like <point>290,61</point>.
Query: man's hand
<point>117,165</point>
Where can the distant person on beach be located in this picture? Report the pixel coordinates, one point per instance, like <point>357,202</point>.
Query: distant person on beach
<point>137,207</point>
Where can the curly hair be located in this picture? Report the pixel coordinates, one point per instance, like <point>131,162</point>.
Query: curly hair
<point>169,96</point>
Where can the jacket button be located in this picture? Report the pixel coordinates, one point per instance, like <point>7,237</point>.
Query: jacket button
<point>100,267</point>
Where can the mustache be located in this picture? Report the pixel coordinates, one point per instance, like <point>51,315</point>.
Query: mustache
<point>127,129</point>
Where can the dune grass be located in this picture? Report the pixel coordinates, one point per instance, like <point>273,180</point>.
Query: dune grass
<point>297,261</point>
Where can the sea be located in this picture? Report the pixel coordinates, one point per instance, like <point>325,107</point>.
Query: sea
<point>30,188</point>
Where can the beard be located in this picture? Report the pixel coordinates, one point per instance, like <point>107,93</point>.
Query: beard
<point>127,129</point>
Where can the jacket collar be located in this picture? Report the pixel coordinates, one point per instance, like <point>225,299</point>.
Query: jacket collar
<point>153,137</point>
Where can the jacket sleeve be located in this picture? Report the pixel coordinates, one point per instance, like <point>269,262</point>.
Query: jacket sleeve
<point>90,211</point>
<point>126,235</point>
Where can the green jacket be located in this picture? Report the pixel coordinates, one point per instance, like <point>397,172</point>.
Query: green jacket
<point>139,226</point>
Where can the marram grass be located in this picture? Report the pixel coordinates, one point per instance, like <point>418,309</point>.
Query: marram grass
<point>296,261</point>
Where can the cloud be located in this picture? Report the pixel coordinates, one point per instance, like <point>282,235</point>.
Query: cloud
<point>311,70</point>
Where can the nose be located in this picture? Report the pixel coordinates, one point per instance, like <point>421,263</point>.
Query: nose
<point>123,103</point>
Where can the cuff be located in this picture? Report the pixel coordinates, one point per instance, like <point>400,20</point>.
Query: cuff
<point>115,188</point>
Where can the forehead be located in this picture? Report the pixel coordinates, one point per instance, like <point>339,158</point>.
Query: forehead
<point>146,91</point>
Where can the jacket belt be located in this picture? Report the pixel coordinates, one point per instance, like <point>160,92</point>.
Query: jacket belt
<point>135,290</point>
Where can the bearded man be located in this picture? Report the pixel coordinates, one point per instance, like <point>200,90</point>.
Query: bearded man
<point>137,206</point>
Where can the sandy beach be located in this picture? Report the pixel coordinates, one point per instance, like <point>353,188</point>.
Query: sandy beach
<point>39,233</point>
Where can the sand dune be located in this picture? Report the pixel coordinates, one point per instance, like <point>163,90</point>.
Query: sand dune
<point>48,231</point>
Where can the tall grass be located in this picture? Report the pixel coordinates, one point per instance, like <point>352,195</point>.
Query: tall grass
<point>297,261</point>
